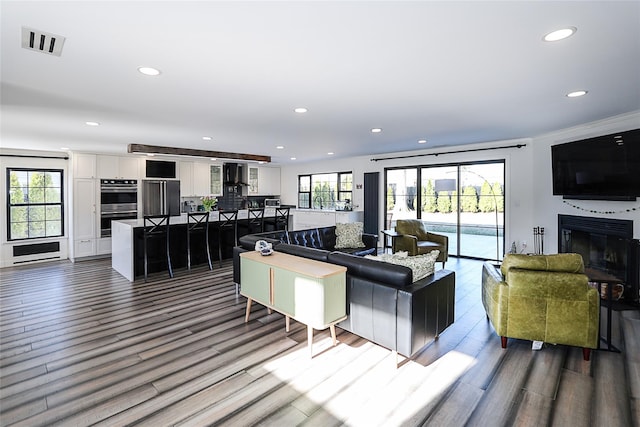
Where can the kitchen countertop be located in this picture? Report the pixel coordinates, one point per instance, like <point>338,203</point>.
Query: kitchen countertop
<point>182,218</point>
<point>325,210</point>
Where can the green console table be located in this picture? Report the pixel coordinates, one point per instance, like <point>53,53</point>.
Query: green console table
<point>312,292</point>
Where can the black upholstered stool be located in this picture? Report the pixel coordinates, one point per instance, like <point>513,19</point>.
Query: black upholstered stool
<point>280,221</point>
<point>227,222</point>
<point>156,228</point>
<point>255,221</point>
<point>198,224</point>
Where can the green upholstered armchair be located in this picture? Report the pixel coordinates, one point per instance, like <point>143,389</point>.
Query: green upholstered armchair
<point>415,239</point>
<point>542,298</point>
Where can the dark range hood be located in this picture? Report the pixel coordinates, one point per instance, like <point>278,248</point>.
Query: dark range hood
<point>234,174</point>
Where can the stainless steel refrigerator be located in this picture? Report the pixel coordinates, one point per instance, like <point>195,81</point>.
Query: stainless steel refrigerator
<point>160,197</point>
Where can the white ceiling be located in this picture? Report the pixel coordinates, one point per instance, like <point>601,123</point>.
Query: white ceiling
<point>450,72</point>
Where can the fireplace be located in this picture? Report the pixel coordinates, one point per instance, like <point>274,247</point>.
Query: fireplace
<point>606,245</point>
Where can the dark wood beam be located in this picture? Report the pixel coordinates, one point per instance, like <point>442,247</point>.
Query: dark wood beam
<point>157,149</point>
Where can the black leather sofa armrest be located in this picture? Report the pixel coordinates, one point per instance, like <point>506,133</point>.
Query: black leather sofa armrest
<point>425,310</point>
<point>303,251</point>
<point>237,250</point>
<point>393,275</point>
<point>248,241</point>
<point>370,240</point>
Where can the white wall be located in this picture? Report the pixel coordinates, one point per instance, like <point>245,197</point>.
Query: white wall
<point>529,201</point>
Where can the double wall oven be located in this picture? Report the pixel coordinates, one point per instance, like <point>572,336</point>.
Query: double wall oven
<point>118,200</point>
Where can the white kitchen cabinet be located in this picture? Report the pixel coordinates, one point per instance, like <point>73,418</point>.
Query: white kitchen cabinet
<point>346,217</point>
<point>264,181</point>
<point>253,181</point>
<point>199,179</point>
<point>309,218</point>
<point>215,180</point>
<point>117,167</point>
<point>84,165</point>
<point>186,179</point>
<point>202,179</point>
<point>103,246</point>
<point>269,181</point>
<point>303,219</point>
<point>85,220</point>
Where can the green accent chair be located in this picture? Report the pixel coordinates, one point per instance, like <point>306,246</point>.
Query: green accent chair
<point>542,298</point>
<point>416,240</point>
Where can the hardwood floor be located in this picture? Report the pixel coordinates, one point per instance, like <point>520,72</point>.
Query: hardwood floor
<point>80,345</point>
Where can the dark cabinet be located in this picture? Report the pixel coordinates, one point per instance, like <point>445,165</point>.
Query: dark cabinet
<point>371,202</point>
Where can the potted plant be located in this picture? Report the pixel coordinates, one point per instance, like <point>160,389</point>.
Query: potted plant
<point>209,202</point>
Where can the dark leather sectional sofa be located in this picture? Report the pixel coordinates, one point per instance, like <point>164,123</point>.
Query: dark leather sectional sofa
<point>384,305</point>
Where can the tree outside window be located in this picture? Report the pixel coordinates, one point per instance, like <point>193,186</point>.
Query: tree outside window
<point>321,191</point>
<point>35,204</point>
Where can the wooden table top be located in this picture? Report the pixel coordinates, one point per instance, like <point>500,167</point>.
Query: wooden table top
<point>601,276</point>
<point>305,266</point>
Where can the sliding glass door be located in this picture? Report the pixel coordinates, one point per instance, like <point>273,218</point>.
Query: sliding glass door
<point>439,201</point>
<point>464,201</point>
<point>481,210</point>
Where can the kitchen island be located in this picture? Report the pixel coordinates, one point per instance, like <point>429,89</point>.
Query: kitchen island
<point>127,253</point>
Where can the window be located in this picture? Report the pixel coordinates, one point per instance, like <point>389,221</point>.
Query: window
<point>304,191</point>
<point>321,191</point>
<point>34,203</point>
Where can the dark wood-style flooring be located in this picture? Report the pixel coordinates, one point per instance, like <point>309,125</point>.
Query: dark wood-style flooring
<point>80,345</point>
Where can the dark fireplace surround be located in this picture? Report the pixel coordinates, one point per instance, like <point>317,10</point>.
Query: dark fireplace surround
<point>606,245</point>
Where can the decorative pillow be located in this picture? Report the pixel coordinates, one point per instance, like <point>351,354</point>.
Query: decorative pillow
<point>421,265</point>
<point>349,235</point>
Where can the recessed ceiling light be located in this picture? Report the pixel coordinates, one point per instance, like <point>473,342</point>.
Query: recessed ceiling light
<point>206,138</point>
<point>280,147</point>
<point>330,153</point>
<point>293,158</point>
<point>149,71</point>
<point>376,130</point>
<point>92,123</point>
<point>300,110</point>
<point>577,93</point>
<point>561,34</point>
<point>422,141</point>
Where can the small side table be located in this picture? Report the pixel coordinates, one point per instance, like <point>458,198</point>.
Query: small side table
<point>389,235</point>
<point>601,277</point>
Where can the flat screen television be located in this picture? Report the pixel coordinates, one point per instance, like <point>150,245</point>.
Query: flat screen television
<point>602,168</point>
<point>160,169</point>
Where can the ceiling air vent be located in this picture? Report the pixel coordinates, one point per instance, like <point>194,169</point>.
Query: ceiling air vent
<point>41,41</point>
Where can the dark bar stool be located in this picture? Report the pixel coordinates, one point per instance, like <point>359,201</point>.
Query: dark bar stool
<point>228,220</point>
<point>255,221</point>
<point>198,223</point>
<point>280,221</point>
<point>156,227</point>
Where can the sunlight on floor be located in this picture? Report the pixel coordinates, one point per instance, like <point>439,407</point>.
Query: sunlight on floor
<point>395,395</point>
